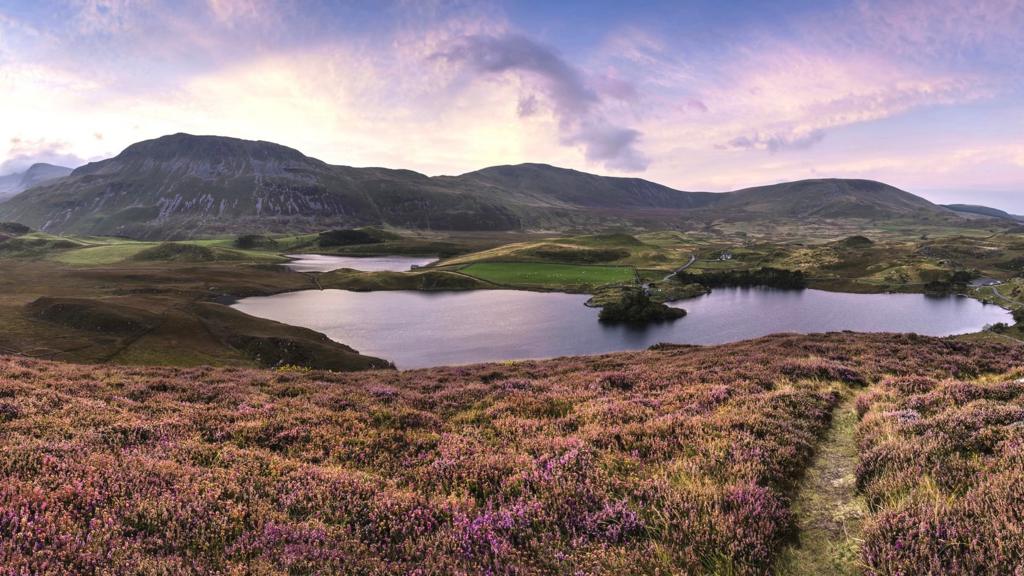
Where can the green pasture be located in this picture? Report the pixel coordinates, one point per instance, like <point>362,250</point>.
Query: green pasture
<point>548,275</point>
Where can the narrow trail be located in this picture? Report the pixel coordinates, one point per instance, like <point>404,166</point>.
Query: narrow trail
<point>827,508</point>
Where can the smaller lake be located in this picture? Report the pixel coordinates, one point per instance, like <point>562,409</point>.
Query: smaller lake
<point>420,329</point>
<point>326,263</point>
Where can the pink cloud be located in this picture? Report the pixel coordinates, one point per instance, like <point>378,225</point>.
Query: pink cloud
<point>951,30</point>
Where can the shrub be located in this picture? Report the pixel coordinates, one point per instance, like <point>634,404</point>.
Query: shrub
<point>765,276</point>
<point>674,461</point>
<point>174,251</point>
<point>14,229</point>
<point>353,237</point>
<point>941,466</point>
<point>637,307</point>
<point>255,242</point>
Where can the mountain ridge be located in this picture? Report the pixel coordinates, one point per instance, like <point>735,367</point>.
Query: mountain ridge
<point>987,211</point>
<point>181,185</point>
<point>36,174</point>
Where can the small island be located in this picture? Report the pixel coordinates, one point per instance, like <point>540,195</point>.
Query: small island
<point>636,307</point>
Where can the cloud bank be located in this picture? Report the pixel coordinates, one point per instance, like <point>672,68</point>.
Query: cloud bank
<point>574,100</point>
<point>24,153</point>
<point>924,94</point>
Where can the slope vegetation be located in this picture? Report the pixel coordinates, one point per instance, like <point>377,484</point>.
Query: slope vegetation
<point>829,199</point>
<point>679,460</point>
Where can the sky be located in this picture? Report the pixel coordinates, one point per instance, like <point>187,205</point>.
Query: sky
<point>695,94</point>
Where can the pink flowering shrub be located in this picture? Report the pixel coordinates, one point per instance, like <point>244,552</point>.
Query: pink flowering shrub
<point>675,460</point>
<point>942,466</point>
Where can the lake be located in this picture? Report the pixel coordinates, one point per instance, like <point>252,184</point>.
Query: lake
<point>419,329</point>
<point>325,263</point>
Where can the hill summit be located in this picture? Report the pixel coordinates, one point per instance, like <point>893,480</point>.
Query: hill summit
<point>829,198</point>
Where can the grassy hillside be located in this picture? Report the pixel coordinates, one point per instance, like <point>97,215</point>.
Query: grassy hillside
<point>540,184</point>
<point>856,263</point>
<point>677,460</point>
<point>549,275</point>
<point>163,312</point>
<point>829,199</point>
<point>984,211</point>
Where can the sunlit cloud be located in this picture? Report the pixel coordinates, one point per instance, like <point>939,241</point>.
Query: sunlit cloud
<point>574,99</point>
<point>24,153</point>
<point>450,86</point>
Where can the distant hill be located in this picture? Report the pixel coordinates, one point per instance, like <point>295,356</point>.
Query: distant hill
<point>984,211</point>
<point>15,183</point>
<point>544,185</point>
<point>829,199</point>
<point>183,185</point>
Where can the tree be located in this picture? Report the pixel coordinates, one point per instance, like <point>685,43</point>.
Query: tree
<point>637,307</point>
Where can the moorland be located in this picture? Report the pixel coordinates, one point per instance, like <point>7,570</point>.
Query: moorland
<point>675,460</point>
<point>101,299</point>
<point>148,427</point>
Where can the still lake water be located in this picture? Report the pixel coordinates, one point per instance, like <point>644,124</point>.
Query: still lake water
<point>324,263</point>
<point>419,329</point>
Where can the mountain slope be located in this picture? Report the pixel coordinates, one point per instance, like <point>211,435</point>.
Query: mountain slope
<point>984,211</point>
<point>13,184</point>
<point>183,185</point>
<point>9,185</point>
<point>546,185</point>
<point>829,199</point>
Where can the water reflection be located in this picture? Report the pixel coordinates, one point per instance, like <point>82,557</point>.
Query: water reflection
<point>326,263</point>
<point>416,329</point>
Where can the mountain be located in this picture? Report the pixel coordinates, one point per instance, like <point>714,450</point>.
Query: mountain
<point>828,199</point>
<point>984,211</point>
<point>12,184</point>
<point>545,185</point>
<point>183,185</point>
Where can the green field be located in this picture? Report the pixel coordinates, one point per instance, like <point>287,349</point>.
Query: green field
<point>121,251</point>
<point>548,275</point>
<point>106,254</point>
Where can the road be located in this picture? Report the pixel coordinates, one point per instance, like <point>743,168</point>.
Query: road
<point>995,290</point>
<point>647,287</point>
<point>693,258</point>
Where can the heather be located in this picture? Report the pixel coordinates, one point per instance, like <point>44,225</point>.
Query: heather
<point>675,460</point>
<point>942,465</point>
